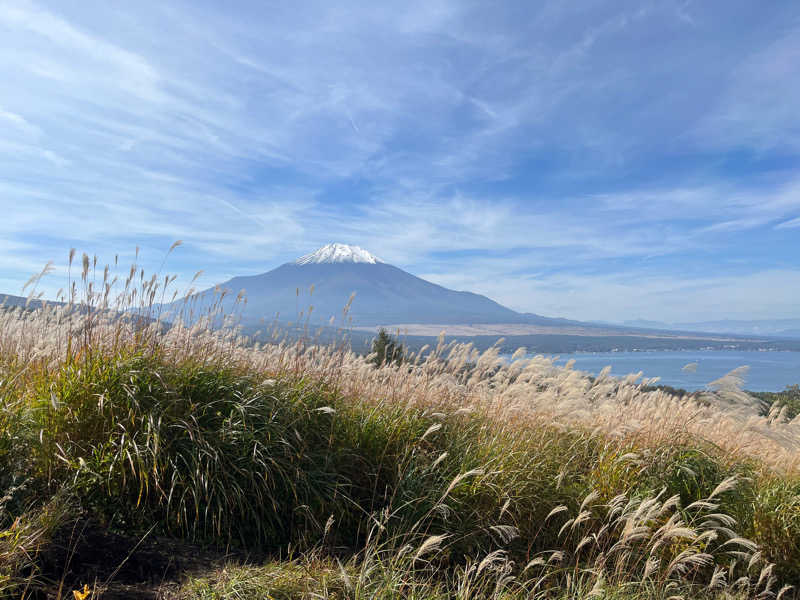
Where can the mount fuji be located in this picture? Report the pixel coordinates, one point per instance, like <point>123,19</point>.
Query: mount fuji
<point>383,294</point>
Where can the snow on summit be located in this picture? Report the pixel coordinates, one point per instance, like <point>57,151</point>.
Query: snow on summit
<point>338,253</point>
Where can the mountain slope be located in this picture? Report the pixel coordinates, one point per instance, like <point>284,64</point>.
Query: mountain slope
<point>384,294</point>
<point>11,301</point>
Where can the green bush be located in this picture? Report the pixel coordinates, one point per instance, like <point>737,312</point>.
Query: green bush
<point>788,398</point>
<point>387,349</point>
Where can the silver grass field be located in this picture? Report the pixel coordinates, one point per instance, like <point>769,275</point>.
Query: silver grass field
<point>456,474</point>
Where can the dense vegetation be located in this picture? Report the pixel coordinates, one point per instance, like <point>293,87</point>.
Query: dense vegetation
<point>322,475</point>
<point>789,398</point>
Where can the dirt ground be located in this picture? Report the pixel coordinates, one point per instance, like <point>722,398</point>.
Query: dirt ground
<point>117,566</point>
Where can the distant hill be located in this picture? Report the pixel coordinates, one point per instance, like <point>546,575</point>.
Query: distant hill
<point>764,327</point>
<point>9,300</point>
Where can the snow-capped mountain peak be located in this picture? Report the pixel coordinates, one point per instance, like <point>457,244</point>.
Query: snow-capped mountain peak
<point>338,253</point>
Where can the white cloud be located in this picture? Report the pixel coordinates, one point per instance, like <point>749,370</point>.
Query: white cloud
<point>18,122</point>
<point>639,294</point>
<point>790,224</point>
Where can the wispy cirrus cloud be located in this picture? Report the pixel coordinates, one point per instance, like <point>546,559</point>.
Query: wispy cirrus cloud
<point>790,224</point>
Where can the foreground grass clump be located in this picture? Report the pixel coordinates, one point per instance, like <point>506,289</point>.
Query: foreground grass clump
<point>453,475</point>
<point>317,579</point>
<point>206,453</point>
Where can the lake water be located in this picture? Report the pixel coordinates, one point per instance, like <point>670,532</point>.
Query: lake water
<point>769,371</point>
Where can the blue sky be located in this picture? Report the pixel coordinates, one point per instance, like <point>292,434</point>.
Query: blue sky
<point>593,160</point>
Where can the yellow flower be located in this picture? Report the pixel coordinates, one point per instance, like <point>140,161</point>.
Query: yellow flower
<point>81,594</point>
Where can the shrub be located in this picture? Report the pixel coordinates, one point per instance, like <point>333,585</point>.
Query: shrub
<point>386,349</point>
